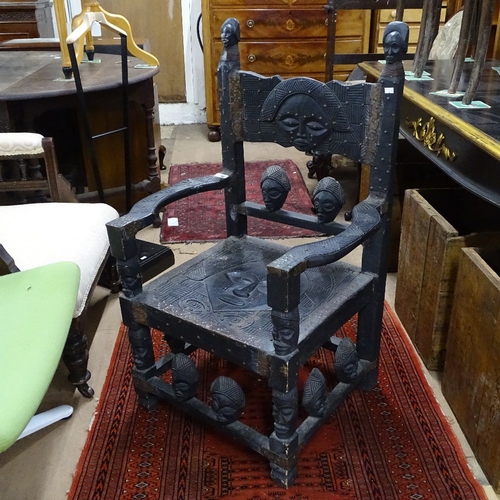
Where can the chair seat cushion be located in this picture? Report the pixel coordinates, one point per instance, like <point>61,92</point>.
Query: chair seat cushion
<point>218,300</point>
<point>43,233</point>
<point>20,143</point>
<point>36,309</point>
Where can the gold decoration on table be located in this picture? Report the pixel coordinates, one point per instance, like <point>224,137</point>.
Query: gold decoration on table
<point>427,134</point>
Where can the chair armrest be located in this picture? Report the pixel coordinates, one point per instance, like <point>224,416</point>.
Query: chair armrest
<point>365,221</point>
<point>144,212</point>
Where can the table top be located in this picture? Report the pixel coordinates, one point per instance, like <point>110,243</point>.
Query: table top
<point>480,126</point>
<point>38,74</point>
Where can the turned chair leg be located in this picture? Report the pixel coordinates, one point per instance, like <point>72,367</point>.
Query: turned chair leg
<point>76,357</point>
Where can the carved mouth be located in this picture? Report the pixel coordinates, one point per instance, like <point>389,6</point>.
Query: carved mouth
<point>301,144</point>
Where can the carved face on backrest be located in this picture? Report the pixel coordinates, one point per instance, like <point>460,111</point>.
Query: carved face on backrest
<point>395,41</point>
<point>303,111</point>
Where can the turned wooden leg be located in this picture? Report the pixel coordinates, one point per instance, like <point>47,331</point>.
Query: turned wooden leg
<point>213,133</point>
<point>76,357</point>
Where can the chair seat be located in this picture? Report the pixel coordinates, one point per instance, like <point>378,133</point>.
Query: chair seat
<point>221,295</point>
<point>58,232</point>
<point>36,309</point>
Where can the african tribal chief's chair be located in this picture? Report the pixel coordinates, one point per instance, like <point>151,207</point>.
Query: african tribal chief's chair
<point>257,303</point>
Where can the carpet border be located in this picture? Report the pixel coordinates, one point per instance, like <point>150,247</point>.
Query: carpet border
<point>102,400</point>
<point>419,369</point>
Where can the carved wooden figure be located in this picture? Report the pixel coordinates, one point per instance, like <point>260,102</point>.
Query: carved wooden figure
<point>255,302</point>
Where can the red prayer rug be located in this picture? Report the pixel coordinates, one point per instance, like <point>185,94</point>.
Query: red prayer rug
<point>391,443</point>
<point>201,217</point>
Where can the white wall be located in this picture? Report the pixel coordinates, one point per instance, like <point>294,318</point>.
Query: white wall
<point>193,110</point>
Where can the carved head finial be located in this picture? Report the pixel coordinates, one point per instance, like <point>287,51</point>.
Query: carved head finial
<point>328,199</point>
<point>395,41</point>
<point>230,32</point>
<point>275,187</point>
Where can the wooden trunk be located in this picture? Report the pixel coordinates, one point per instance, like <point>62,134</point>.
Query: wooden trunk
<point>436,225</point>
<point>471,378</point>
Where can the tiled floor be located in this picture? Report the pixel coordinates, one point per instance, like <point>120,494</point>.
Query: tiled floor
<point>40,467</point>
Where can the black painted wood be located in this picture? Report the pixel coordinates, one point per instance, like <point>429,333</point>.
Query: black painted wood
<point>256,302</point>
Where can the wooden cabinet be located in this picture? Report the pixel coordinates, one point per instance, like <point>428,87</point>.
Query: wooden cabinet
<point>412,17</point>
<point>25,19</point>
<point>284,37</point>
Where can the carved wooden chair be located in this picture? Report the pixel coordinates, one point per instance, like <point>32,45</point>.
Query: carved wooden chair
<point>41,233</point>
<point>255,302</point>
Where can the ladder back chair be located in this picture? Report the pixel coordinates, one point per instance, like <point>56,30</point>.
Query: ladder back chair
<point>259,304</point>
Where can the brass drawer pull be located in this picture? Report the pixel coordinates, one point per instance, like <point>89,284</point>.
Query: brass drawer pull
<point>251,58</point>
<point>250,23</point>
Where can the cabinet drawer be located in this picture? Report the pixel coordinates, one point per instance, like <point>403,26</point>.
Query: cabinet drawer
<point>285,58</point>
<point>275,23</point>
<point>290,4</point>
<point>410,15</point>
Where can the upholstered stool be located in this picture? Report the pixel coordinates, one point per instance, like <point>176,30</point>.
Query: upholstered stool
<point>36,309</point>
<point>42,233</point>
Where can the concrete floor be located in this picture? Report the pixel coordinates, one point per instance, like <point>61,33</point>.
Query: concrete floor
<point>40,466</point>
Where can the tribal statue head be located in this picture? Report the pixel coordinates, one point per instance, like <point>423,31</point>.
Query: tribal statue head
<point>230,32</point>
<point>228,399</point>
<point>346,361</point>
<point>395,41</point>
<point>314,396</point>
<point>285,331</point>
<point>328,199</point>
<point>275,187</point>
<point>184,377</point>
<point>285,412</point>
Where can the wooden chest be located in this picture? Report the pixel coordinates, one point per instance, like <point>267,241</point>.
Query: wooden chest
<point>279,37</point>
<point>436,225</point>
<point>471,377</point>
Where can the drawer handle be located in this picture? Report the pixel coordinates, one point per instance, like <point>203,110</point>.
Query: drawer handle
<point>251,58</point>
<point>250,23</point>
<point>393,14</point>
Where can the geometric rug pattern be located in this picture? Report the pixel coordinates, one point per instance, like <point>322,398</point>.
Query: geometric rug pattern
<point>391,443</point>
<point>201,217</point>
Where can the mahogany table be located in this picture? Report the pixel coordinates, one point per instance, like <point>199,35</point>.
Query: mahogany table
<point>34,96</point>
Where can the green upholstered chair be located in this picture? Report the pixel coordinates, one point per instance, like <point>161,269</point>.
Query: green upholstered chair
<point>36,310</point>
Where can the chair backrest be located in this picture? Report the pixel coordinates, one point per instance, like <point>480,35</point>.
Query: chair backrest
<point>356,119</point>
<point>28,164</point>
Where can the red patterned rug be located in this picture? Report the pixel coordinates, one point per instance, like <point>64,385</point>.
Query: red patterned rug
<point>209,223</point>
<point>387,444</point>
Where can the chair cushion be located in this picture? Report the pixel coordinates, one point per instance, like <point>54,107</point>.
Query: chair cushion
<point>36,308</point>
<point>20,143</point>
<point>42,233</point>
